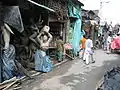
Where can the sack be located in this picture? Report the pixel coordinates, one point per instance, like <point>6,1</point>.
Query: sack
<point>8,64</point>
<point>47,64</point>
<point>42,63</point>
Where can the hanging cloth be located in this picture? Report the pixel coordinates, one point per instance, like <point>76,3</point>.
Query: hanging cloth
<point>77,35</point>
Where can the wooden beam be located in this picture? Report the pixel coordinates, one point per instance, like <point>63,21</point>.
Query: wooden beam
<point>69,56</point>
<point>41,5</point>
<point>10,85</point>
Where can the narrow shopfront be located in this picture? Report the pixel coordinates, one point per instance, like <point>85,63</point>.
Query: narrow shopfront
<point>34,17</point>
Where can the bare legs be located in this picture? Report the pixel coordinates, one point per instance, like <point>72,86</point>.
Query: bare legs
<point>88,57</point>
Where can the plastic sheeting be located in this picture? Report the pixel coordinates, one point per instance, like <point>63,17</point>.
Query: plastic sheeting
<point>75,12</point>
<point>8,64</point>
<point>77,35</point>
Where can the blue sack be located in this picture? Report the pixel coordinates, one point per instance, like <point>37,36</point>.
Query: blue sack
<point>47,64</point>
<point>42,62</point>
<point>8,65</point>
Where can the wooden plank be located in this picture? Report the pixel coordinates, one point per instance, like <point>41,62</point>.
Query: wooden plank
<point>3,86</point>
<point>10,85</point>
<point>69,56</point>
<point>99,84</point>
<point>17,88</point>
<point>8,81</point>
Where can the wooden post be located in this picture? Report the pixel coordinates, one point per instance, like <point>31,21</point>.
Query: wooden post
<point>92,34</point>
<point>67,29</point>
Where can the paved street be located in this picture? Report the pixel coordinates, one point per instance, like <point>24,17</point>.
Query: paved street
<point>75,75</point>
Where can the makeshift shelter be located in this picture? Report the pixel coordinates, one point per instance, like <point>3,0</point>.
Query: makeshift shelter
<point>91,23</point>
<point>37,12</point>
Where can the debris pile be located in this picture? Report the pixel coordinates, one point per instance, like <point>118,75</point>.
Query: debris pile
<point>111,80</point>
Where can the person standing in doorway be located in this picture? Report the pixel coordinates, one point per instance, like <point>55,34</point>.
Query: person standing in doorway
<point>88,54</point>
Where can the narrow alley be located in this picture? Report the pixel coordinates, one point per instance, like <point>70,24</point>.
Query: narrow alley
<point>59,45</point>
<point>75,75</point>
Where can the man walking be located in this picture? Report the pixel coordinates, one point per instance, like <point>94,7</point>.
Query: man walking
<point>88,51</point>
<point>109,40</point>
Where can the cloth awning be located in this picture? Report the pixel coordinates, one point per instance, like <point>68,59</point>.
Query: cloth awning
<point>47,8</point>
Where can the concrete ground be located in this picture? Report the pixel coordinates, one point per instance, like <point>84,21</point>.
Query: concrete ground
<point>75,75</point>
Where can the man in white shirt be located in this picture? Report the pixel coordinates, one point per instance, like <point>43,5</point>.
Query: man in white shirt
<point>88,51</point>
<point>109,40</point>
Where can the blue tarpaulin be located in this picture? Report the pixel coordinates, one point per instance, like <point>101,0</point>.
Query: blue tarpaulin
<point>77,35</point>
<point>75,12</point>
<point>8,64</point>
<point>42,62</point>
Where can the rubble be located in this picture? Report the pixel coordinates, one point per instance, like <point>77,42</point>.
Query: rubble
<point>111,80</point>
